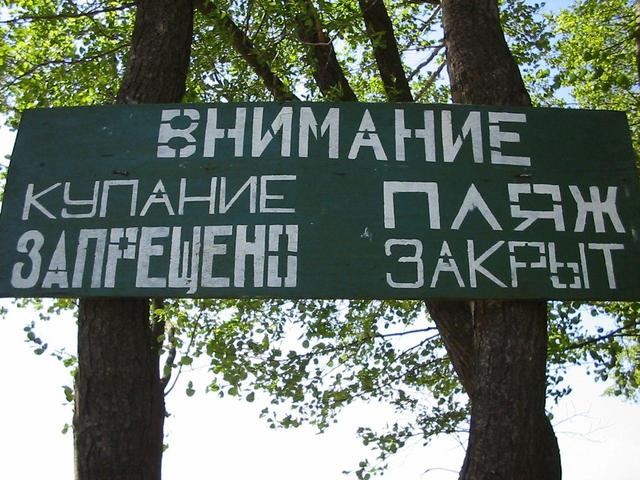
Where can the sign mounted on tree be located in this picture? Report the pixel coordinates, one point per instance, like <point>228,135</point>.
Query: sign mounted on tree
<point>321,200</point>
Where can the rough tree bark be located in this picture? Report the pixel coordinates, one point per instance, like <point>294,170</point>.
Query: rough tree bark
<point>246,49</point>
<point>497,347</point>
<point>321,55</point>
<point>385,49</point>
<point>119,402</point>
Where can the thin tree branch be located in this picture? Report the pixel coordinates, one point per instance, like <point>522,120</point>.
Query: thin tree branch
<point>431,2</point>
<point>618,332</point>
<point>67,15</point>
<point>63,61</point>
<point>171,357</point>
<point>636,36</point>
<point>435,13</point>
<point>426,23</point>
<point>432,79</point>
<point>407,332</point>
<point>429,59</point>
<point>192,336</point>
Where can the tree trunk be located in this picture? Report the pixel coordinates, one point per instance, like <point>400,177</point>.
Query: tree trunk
<point>497,347</point>
<point>246,49</point>
<point>119,408</point>
<point>385,48</point>
<point>321,55</point>
<point>508,426</point>
<point>160,52</point>
<point>481,350</point>
<point>119,402</point>
<point>481,68</point>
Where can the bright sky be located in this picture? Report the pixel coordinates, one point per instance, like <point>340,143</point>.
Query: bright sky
<point>214,438</point>
<point>224,439</point>
<point>209,437</point>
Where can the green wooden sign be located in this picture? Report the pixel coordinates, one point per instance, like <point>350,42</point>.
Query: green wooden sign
<point>321,200</point>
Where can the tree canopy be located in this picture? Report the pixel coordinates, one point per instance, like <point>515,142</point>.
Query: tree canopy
<point>313,357</point>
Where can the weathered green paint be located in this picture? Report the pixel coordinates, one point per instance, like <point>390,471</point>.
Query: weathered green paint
<point>450,225</point>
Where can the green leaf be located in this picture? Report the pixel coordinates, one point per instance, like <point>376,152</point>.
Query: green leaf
<point>68,393</point>
<point>190,391</point>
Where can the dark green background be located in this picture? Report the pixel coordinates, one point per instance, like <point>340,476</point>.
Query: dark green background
<point>335,199</point>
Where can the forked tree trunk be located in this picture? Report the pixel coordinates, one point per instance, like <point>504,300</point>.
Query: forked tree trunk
<point>119,402</point>
<point>497,347</point>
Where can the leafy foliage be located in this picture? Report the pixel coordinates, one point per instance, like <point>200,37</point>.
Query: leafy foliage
<point>595,57</point>
<point>607,343</point>
<point>595,60</point>
<point>314,357</point>
<point>530,36</point>
<point>58,53</point>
